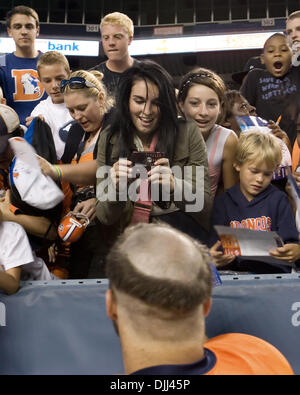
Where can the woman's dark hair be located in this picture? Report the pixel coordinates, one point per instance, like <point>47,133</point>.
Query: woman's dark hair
<point>122,125</point>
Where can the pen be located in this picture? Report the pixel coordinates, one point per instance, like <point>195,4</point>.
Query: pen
<point>278,120</point>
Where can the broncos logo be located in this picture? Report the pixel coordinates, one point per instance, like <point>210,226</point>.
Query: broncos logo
<point>27,85</point>
<point>30,84</point>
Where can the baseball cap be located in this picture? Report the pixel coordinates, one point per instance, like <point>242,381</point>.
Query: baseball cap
<point>252,63</point>
<point>9,122</point>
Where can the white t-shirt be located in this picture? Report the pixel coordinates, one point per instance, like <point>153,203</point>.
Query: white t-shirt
<point>16,251</point>
<point>58,118</point>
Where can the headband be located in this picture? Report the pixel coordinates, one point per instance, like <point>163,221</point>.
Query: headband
<point>192,78</point>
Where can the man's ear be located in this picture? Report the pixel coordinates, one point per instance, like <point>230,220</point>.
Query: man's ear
<point>37,31</point>
<point>111,305</point>
<point>206,307</point>
<point>130,38</point>
<point>262,59</point>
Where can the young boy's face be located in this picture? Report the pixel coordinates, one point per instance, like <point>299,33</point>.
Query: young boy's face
<point>50,77</point>
<point>277,56</point>
<point>255,177</point>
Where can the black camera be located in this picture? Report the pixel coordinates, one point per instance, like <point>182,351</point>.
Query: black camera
<point>145,159</point>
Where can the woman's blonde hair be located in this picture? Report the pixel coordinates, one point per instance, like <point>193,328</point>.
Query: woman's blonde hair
<point>95,77</point>
<point>258,146</point>
<point>117,18</point>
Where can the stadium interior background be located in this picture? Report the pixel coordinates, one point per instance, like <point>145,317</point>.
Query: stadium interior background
<point>79,19</point>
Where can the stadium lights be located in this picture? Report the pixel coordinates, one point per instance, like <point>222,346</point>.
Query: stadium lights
<point>152,46</point>
<point>220,42</point>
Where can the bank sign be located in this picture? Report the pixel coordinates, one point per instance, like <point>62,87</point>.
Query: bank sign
<point>67,47</point>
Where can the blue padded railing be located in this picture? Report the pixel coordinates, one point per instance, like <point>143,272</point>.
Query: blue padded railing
<point>61,327</point>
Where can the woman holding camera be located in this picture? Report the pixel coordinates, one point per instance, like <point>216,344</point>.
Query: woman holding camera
<point>146,124</point>
<point>146,129</point>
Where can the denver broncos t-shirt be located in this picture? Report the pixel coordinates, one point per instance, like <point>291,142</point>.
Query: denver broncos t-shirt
<point>20,84</point>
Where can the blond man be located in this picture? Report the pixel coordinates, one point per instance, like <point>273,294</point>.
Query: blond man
<point>117,34</point>
<point>293,33</point>
<point>293,27</point>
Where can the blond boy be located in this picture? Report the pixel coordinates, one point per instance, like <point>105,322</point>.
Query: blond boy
<point>53,67</point>
<point>117,34</point>
<point>254,203</point>
<point>293,28</point>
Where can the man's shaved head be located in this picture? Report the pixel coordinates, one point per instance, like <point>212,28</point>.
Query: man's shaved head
<point>161,267</point>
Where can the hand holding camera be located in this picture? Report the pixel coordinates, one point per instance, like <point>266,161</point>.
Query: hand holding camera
<point>152,165</point>
<point>162,174</point>
<point>145,159</point>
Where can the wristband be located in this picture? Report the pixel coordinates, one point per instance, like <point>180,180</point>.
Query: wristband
<point>59,172</point>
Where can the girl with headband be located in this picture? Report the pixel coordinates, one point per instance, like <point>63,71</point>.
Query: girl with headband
<point>201,97</point>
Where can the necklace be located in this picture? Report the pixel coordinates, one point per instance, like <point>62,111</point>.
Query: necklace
<point>93,137</point>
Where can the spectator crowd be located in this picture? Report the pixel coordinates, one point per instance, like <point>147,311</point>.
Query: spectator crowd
<point>137,166</point>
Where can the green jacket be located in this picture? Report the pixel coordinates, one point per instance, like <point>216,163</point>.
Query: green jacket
<point>190,150</point>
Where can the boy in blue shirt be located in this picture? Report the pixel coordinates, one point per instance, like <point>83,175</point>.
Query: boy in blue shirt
<point>254,203</point>
<point>18,76</point>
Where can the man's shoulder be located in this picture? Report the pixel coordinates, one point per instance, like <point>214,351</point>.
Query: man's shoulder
<point>235,351</point>
<point>100,67</point>
<point>42,106</point>
<point>12,61</point>
<point>3,60</point>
